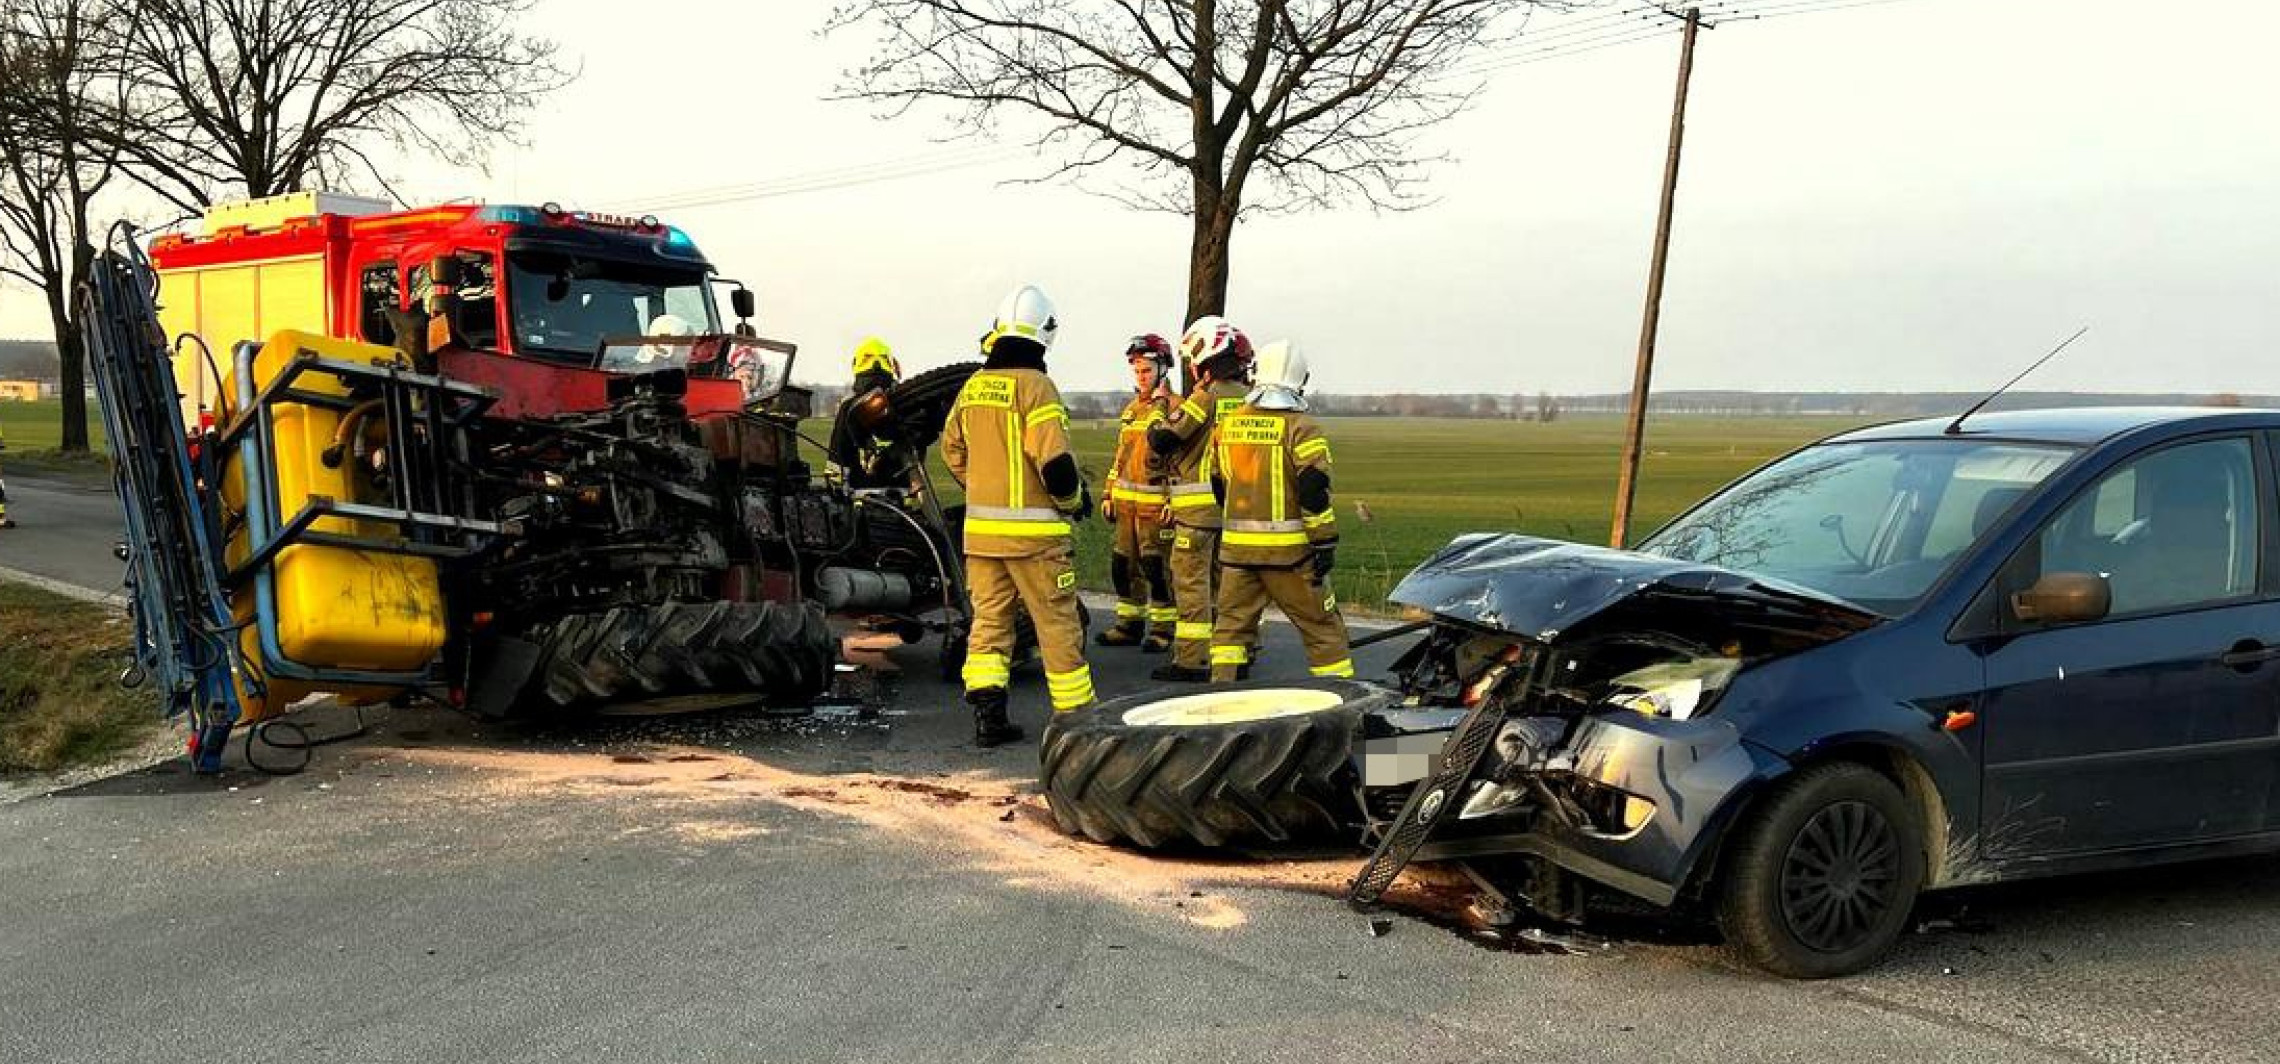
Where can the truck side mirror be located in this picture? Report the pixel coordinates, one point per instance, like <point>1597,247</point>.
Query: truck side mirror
<point>741,302</point>
<point>2064,598</point>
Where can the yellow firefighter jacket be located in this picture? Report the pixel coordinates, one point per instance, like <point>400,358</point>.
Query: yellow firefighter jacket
<point>1261,454</point>
<point>1136,480</point>
<point>1006,425</point>
<point>1190,467</point>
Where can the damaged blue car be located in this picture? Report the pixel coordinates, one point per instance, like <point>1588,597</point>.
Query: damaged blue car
<point>1906,658</point>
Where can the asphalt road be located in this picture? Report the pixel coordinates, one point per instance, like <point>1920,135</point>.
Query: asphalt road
<point>63,532</point>
<point>849,889</point>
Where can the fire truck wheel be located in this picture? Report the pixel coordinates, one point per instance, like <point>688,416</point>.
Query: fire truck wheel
<point>1241,765</point>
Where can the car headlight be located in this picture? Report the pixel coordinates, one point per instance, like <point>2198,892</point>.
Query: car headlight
<point>1674,689</point>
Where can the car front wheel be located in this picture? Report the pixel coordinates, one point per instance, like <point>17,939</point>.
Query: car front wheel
<point>1822,874</point>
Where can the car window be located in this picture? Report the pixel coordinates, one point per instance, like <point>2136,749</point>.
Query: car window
<point>1875,522</point>
<point>2175,528</point>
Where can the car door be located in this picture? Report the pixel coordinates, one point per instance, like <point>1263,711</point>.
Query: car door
<point>2160,722</point>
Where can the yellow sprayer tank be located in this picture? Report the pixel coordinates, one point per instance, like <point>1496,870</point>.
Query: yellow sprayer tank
<point>336,607</point>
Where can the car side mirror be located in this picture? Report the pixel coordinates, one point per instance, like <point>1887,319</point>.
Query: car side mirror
<point>741,302</point>
<point>2064,598</point>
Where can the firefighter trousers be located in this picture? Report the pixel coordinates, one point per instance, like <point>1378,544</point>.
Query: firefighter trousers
<point>1045,584</point>
<point>1137,569</point>
<point>1244,594</point>
<point>1195,580</point>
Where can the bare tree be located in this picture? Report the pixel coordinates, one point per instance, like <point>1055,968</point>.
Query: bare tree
<point>1223,107</point>
<point>270,96</point>
<point>53,87</point>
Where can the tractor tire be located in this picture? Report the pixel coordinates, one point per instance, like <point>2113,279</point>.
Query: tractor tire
<point>784,651</point>
<point>922,404</point>
<point>1241,765</point>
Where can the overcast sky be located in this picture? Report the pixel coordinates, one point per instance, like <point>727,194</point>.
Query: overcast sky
<point>1918,195</point>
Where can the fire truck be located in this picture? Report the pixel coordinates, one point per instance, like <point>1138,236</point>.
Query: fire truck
<point>506,455</point>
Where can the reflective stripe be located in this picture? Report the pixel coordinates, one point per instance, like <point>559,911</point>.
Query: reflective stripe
<point>1343,668</point>
<point>1322,520</point>
<point>1239,525</point>
<point>1311,448</point>
<point>1190,502</point>
<point>1192,412</point>
<point>1015,521</point>
<point>1152,498</point>
<point>1264,539</point>
<point>1130,610</point>
<point>1234,655</point>
<point>1014,485</point>
<point>985,671</point>
<point>1048,412</point>
<point>1189,630</point>
<point>1163,615</point>
<point>1070,689</point>
<point>1033,529</point>
<point>1009,513</point>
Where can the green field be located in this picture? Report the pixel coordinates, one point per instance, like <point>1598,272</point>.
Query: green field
<point>1422,480</point>
<point>37,425</point>
<point>1426,480</point>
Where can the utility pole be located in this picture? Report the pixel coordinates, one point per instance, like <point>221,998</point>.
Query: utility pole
<point>1634,436</point>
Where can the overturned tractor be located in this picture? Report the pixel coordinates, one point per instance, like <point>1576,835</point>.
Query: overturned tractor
<point>507,457</point>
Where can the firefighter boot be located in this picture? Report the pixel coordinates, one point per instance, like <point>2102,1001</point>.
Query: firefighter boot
<point>1123,633</point>
<point>991,728</point>
<point>1175,672</point>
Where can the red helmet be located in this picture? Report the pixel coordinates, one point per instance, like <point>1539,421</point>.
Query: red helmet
<point>1152,347</point>
<point>1213,337</point>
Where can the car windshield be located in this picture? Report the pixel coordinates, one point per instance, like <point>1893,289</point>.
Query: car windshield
<point>565,305</point>
<point>1875,523</point>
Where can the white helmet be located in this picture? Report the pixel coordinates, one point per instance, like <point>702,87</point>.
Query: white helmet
<point>1280,376</point>
<point>1027,313</point>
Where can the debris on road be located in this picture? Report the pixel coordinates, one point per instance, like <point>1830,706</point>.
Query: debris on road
<point>1002,827</point>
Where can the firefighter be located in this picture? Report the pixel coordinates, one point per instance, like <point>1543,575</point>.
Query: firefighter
<point>1218,356</point>
<point>860,455</point>
<point>1280,535</point>
<point>1136,502</point>
<point>1007,441</point>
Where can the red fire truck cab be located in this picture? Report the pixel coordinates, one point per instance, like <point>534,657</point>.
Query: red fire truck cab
<point>546,298</point>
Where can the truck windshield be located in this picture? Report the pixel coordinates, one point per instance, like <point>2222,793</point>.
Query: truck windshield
<point>564,305</point>
<point>1875,523</point>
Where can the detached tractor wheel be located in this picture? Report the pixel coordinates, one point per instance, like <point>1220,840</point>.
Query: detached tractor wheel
<point>1822,875</point>
<point>1234,766</point>
<point>783,651</point>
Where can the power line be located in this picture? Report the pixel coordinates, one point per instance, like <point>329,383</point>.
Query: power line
<point>1631,24</point>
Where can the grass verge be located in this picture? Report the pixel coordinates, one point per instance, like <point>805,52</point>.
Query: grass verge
<point>60,701</point>
<point>81,468</point>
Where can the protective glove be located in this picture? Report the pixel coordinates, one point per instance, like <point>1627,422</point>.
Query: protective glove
<point>1108,511</point>
<point>1324,558</point>
<point>1080,509</point>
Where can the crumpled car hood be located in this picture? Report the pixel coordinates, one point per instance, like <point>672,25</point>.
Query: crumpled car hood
<point>1545,589</point>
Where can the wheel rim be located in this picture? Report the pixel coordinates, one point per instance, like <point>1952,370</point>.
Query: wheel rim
<point>1232,707</point>
<point>1841,877</point>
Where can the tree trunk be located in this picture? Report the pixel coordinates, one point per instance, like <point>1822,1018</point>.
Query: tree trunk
<point>72,357</point>
<point>1208,261</point>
